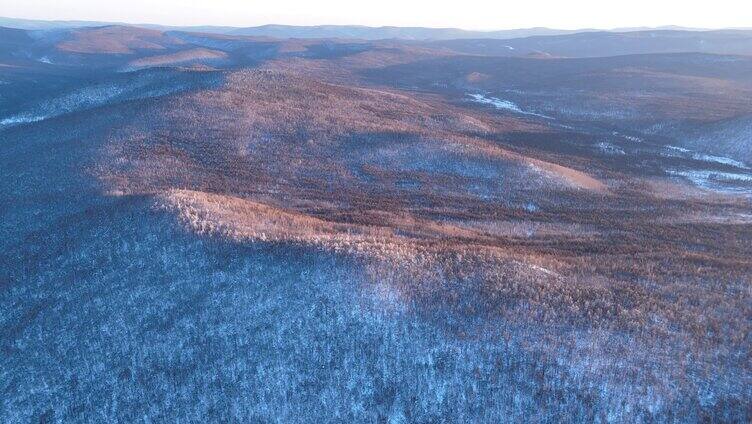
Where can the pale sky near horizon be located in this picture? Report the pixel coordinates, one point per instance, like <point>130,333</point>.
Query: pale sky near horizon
<point>468,14</point>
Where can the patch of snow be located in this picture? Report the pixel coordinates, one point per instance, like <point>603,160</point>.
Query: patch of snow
<point>45,59</point>
<point>715,180</point>
<point>705,157</point>
<point>674,152</point>
<point>610,149</point>
<point>79,99</point>
<point>543,270</point>
<point>681,149</point>
<point>503,104</point>
<point>509,47</point>
<point>497,103</point>
<point>139,87</point>
<point>719,159</point>
<point>631,138</point>
<point>20,119</point>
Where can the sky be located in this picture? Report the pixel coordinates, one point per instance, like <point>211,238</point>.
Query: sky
<point>467,14</point>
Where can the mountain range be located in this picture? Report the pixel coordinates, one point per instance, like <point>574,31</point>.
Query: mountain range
<point>348,224</point>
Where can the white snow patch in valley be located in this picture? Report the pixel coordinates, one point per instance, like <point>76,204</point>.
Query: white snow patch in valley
<point>610,149</point>
<point>544,270</point>
<point>714,180</point>
<point>503,104</point>
<point>680,149</point>
<point>45,59</point>
<point>627,137</point>
<point>498,103</point>
<point>705,157</point>
<point>82,98</point>
<point>719,159</point>
<point>20,119</point>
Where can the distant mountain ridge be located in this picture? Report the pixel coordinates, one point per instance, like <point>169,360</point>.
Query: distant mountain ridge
<point>389,32</point>
<point>607,43</point>
<point>334,31</point>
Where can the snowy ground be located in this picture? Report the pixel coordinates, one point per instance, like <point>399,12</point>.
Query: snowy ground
<point>504,105</point>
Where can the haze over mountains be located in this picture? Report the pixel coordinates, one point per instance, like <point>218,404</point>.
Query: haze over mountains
<point>374,224</point>
<point>334,31</point>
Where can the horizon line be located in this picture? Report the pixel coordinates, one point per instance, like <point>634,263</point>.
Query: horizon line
<point>580,29</point>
